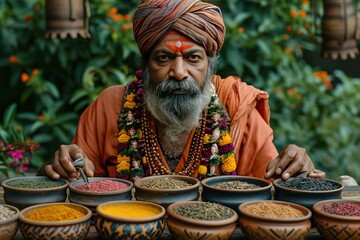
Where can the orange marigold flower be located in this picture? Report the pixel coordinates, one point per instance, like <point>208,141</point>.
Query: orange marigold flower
<point>306,2</point>
<point>123,166</point>
<point>228,164</point>
<point>121,158</point>
<point>12,59</point>
<point>127,18</point>
<point>240,29</point>
<point>25,77</point>
<point>123,138</point>
<point>117,17</point>
<point>35,71</point>
<point>41,118</point>
<point>225,139</point>
<point>37,7</point>
<point>129,105</point>
<point>302,13</point>
<point>293,13</point>
<point>130,97</point>
<point>112,11</point>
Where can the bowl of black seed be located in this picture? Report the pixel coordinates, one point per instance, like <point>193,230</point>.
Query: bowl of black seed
<point>200,220</point>
<point>26,191</point>
<point>167,189</point>
<point>306,191</point>
<point>231,191</point>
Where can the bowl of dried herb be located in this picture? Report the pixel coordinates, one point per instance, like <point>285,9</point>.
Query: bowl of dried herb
<point>277,220</point>
<point>9,216</point>
<point>26,191</point>
<point>306,191</point>
<point>231,191</point>
<point>167,189</point>
<point>338,219</point>
<point>200,220</point>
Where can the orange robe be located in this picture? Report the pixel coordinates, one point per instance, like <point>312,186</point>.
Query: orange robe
<point>247,106</point>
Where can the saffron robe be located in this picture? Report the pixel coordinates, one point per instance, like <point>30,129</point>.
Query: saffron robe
<point>248,109</point>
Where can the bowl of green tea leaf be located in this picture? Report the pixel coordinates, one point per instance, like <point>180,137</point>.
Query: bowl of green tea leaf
<point>26,191</point>
<point>201,220</point>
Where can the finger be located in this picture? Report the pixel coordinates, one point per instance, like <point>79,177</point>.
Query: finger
<point>50,172</point>
<point>270,170</point>
<point>89,168</point>
<point>317,174</point>
<point>296,165</point>
<point>64,166</point>
<point>285,159</point>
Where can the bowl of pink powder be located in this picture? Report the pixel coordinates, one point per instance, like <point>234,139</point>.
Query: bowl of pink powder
<point>100,190</point>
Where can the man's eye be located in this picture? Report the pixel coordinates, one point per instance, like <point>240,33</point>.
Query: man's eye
<point>163,58</point>
<point>194,57</point>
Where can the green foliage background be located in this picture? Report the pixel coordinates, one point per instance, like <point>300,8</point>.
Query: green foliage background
<point>265,45</point>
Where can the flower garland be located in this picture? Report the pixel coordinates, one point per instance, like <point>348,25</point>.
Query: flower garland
<point>132,156</point>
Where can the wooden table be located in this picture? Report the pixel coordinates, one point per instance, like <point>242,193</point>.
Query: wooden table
<point>348,193</point>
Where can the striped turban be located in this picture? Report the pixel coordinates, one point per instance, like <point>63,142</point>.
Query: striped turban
<point>201,22</point>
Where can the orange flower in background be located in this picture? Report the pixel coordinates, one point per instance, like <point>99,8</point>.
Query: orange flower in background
<point>112,11</point>
<point>37,7</point>
<point>25,77</point>
<point>240,29</point>
<point>302,13</point>
<point>35,72</point>
<point>293,13</point>
<point>127,18</point>
<point>27,18</point>
<point>12,59</point>
<point>41,118</point>
<point>325,78</point>
<point>305,2</point>
<point>289,28</point>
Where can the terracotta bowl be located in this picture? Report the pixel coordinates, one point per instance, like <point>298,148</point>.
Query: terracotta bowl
<point>182,227</point>
<point>9,225</point>
<point>234,197</point>
<point>92,198</point>
<point>336,227</point>
<point>165,197</point>
<point>68,229</point>
<point>257,227</point>
<point>305,197</point>
<point>130,220</point>
<point>22,197</point>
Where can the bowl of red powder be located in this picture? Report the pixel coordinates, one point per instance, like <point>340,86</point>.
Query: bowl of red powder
<point>100,190</point>
<point>338,218</point>
<point>277,220</point>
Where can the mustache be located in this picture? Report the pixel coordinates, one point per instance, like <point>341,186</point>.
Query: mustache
<point>171,84</point>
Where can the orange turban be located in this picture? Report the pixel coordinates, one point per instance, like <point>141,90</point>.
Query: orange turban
<point>202,22</point>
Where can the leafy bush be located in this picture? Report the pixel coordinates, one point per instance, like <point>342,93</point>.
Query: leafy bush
<point>51,80</point>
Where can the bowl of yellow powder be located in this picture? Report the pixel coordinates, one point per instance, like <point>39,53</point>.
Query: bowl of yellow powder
<point>130,219</point>
<point>100,190</point>
<point>55,221</point>
<point>26,191</point>
<point>167,189</point>
<point>272,219</point>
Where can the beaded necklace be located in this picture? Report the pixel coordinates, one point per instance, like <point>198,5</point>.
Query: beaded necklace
<point>211,150</point>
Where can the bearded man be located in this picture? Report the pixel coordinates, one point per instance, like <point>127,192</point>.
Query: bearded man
<point>177,116</point>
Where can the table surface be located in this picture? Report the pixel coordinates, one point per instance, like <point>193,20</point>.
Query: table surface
<point>352,192</point>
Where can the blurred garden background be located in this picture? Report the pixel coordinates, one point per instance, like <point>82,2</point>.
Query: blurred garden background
<point>45,84</point>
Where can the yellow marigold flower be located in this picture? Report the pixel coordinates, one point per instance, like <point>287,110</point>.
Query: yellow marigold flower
<point>123,138</point>
<point>130,97</point>
<point>123,166</point>
<point>202,169</point>
<point>206,138</point>
<point>225,139</point>
<point>121,158</point>
<point>129,105</point>
<point>228,164</point>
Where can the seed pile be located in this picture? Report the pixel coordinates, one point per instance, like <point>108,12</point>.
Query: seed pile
<point>35,184</point>
<point>6,212</point>
<point>273,210</point>
<point>205,211</point>
<point>309,184</point>
<point>343,209</point>
<point>236,185</point>
<point>103,186</point>
<point>165,183</point>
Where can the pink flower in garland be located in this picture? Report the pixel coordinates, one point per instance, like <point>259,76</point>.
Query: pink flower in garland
<point>16,155</point>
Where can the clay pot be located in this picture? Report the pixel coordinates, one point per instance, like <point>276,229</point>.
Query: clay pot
<point>9,226</point>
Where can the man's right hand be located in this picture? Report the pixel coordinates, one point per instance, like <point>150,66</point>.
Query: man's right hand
<point>62,165</point>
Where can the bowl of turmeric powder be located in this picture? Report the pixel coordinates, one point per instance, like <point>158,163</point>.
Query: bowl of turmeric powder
<point>130,219</point>
<point>55,221</point>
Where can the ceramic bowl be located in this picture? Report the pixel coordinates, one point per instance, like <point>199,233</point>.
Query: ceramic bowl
<point>92,199</point>
<point>305,197</point>
<point>183,227</point>
<point>336,227</point>
<point>234,197</point>
<point>22,197</point>
<point>9,225</point>
<point>67,229</point>
<point>130,220</point>
<point>258,227</point>
<point>165,197</point>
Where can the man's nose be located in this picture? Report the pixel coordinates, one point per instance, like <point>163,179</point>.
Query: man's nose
<point>179,69</point>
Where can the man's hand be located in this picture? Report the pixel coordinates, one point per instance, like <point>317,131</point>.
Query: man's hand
<point>62,165</point>
<point>292,161</point>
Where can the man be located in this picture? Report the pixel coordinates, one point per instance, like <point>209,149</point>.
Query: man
<point>172,115</point>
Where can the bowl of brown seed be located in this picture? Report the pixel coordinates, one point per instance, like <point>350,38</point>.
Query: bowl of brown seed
<point>200,220</point>
<point>232,190</point>
<point>167,189</point>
